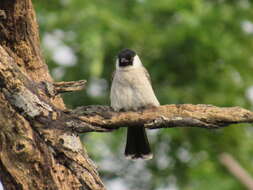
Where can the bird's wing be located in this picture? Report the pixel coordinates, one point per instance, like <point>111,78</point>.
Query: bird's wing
<point>147,74</point>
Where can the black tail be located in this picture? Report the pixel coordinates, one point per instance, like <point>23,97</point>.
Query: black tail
<point>137,145</point>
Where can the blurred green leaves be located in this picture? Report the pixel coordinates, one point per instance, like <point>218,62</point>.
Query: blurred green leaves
<point>197,51</point>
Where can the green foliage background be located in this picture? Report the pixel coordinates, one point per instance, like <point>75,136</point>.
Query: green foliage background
<point>197,51</point>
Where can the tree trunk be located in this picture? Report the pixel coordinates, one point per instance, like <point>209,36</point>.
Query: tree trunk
<point>34,152</point>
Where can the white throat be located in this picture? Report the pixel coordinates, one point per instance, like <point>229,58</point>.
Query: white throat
<point>136,63</point>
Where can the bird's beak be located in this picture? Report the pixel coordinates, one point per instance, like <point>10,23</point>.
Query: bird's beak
<point>124,60</point>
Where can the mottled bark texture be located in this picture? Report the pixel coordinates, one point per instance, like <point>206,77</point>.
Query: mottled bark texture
<point>34,153</point>
<point>103,118</point>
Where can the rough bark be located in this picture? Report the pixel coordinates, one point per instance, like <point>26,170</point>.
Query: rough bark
<point>34,153</point>
<point>103,118</point>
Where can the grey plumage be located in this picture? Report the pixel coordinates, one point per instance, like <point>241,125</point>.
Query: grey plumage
<point>131,90</point>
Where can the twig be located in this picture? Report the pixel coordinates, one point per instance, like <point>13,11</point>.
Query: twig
<point>234,167</point>
<point>61,87</point>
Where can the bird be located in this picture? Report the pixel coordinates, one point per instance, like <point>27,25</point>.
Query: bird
<point>131,90</point>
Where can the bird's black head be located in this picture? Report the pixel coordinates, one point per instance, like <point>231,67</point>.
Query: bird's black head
<point>126,57</point>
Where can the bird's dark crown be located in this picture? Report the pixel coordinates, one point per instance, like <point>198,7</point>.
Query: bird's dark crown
<point>126,57</point>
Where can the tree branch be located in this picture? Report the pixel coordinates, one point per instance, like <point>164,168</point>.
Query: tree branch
<point>56,88</point>
<point>103,118</point>
<point>237,170</point>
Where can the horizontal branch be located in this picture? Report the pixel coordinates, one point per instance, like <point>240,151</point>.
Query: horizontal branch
<point>25,96</point>
<point>103,118</point>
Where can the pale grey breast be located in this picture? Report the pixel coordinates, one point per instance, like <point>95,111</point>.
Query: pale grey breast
<point>131,89</point>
